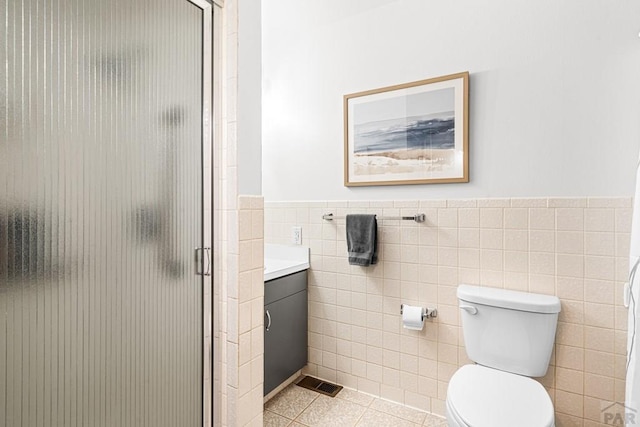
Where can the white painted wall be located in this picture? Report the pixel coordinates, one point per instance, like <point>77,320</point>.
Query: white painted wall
<point>554,91</point>
<point>249,114</point>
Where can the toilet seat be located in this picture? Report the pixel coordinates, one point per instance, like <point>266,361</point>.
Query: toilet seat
<point>478,396</point>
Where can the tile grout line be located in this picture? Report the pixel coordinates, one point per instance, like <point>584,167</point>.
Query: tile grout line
<point>295,420</point>
<point>366,408</point>
<point>307,407</point>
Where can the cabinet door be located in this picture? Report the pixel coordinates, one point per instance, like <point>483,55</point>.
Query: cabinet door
<point>285,343</point>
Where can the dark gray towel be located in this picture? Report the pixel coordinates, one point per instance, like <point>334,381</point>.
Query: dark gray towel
<point>362,239</point>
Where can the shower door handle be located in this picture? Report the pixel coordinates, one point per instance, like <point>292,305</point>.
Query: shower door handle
<point>200,256</point>
<point>208,252</point>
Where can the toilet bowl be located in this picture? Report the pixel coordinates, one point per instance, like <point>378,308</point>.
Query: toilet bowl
<point>484,397</point>
<point>510,336</point>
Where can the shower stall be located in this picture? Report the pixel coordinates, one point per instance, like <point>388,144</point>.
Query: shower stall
<point>105,201</point>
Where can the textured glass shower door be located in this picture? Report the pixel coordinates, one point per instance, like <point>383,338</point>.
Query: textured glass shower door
<point>103,136</point>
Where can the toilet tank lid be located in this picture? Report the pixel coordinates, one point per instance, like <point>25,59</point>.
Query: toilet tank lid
<point>505,298</point>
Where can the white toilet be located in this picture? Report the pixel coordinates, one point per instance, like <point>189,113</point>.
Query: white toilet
<point>510,336</point>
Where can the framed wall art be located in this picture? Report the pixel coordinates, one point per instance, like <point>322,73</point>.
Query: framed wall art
<point>413,133</point>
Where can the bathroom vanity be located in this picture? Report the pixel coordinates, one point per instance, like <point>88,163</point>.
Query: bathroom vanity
<point>286,313</point>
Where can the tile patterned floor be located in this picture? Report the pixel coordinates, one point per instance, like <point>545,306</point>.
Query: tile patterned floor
<point>298,407</point>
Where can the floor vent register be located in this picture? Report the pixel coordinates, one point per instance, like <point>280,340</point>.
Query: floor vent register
<point>320,386</point>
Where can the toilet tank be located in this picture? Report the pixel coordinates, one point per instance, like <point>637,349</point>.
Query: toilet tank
<point>508,330</point>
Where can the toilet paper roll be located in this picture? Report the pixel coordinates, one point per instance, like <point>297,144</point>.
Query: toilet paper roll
<point>412,317</point>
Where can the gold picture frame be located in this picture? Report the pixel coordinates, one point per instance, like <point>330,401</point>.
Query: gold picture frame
<point>412,133</point>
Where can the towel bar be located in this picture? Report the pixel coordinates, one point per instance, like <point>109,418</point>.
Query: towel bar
<point>416,217</point>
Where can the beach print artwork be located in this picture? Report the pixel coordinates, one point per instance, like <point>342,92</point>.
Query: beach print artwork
<point>408,134</point>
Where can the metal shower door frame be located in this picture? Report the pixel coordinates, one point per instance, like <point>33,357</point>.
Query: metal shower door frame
<point>207,203</point>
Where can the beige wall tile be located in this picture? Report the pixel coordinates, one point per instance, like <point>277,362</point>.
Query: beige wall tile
<point>610,202</point>
<point>570,265</point>
<point>462,203</point>
<point>599,267</point>
<point>516,261</point>
<point>542,263</point>
<point>542,284</point>
<point>592,408</point>
<point>492,278</point>
<point>598,386</point>
<point>600,291</point>
<point>433,203</point>
<point>494,203</point>
<point>623,220</point>
<point>468,217</point>
<point>516,281</point>
<point>619,390</point>
<point>564,420</point>
<point>598,243</point>
<point>600,363</point>
<point>491,239</point>
<point>570,357</point>
<point>491,259</point>
<point>492,218</point>
<point>571,288</point>
<point>469,276</point>
<point>529,202</point>
<point>446,371</point>
<point>569,219</point>
<point>570,334</point>
<point>469,258</point>
<point>573,312</point>
<point>469,238</point>
<point>516,240</point>
<point>516,218</point>
<point>576,249</point>
<point>244,225</point>
<point>569,380</point>
<point>438,406</point>
<point>448,217</point>
<point>567,202</point>
<point>447,256</point>
<point>570,242</point>
<point>599,220</point>
<point>621,269</point>
<point>569,403</point>
<point>621,314</point>
<point>600,315</point>
<point>622,245</point>
<point>542,241</point>
<point>542,219</point>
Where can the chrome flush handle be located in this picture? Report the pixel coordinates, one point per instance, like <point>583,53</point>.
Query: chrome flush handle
<point>469,309</point>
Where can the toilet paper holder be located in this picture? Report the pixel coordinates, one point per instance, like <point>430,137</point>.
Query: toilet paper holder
<point>427,313</point>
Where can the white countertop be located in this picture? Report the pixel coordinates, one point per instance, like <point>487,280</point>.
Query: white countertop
<point>280,260</point>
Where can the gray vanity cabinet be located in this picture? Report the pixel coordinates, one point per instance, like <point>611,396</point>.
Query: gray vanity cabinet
<point>285,333</point>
